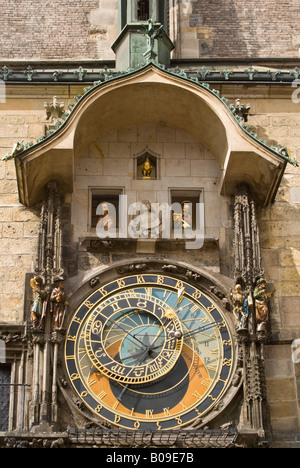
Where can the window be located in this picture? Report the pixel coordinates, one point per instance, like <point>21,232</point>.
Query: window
<point>143,13</point>
<point>4,396</point>
<point>105,208</point>
<point>185,213</point>
<point>131,11</point>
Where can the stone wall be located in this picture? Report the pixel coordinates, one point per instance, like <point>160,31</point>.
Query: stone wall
<point>44,30</point>
<point>21,118</point>
<point>276,117</point>
<point>238,29</point>
<point>273,115</point>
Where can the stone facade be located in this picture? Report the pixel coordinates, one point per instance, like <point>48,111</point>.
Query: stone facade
<point>198,28</point>
<point>108,161</point>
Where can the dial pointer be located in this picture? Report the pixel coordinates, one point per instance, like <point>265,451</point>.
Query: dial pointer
<point>198,330</point>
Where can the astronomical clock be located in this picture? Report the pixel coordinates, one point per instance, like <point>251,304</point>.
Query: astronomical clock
<point>149,351</point>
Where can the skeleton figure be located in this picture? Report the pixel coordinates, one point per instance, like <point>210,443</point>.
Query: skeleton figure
<point>240,307</point>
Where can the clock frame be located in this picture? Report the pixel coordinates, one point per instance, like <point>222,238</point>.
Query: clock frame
<point>123,378</point>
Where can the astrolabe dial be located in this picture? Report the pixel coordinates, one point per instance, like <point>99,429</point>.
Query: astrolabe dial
<point>150,352</point>
<point>129,339</point>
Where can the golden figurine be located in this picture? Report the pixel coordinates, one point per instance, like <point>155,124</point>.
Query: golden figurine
<point>147,169</point>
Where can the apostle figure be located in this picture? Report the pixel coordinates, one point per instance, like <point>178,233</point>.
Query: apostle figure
<point>58,305</point>
<point>39,303</point>
<point>262,298</point>
<point>106,223</point>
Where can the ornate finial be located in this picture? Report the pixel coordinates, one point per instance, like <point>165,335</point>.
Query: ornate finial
<point>29,72</point>
<point>54,110</point>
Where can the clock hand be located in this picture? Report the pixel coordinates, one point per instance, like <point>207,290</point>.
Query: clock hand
<point>127,333</point>
<point>119,398</point>
<point>178,334</point>
<point>180,295</point>
<point>170,313</point>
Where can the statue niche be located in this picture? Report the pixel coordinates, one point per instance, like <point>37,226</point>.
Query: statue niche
<point>146,167</point>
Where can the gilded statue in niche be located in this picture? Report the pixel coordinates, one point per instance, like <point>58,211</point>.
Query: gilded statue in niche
<point>147,169</point>
<point>146,166</point>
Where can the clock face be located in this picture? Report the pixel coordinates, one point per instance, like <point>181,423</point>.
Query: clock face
<point>149,352</point>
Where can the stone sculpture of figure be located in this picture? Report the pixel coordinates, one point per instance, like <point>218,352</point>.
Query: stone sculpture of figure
<point>105,221</point>
<point>262,298</point>
<point>240,307</point>
<point>146,223</point>
<point>147,169</point>
<point>184,220</point>
<point>187,215</point>
<point>39,303</point>
<point>58,305</point>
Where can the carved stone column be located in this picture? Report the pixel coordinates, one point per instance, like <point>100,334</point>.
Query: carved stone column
<point>248,269</point>
<point>49,263</point>
<point>48,270</point>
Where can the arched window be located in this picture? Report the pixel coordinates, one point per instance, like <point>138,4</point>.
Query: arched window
<point>143,10</point>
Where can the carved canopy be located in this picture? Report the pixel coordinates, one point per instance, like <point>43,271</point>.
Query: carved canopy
<point>148,95</point>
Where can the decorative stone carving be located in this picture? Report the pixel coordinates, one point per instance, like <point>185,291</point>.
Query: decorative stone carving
<point>250,318</point>
<point>248,266</point>
<point>54,110</point>
<point>241,110</point>
<point>49,263</point>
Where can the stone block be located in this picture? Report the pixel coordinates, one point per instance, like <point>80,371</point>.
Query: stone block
<point>166,134</point>
<point>6,214</point>
<point>178,168</point>
<point>275,389</point>
<point>206,168</point>
<point>12,230</point>
<point>289,307</point>
<point>295,195</point>
<point>119,150</point>
<point>174,151</point>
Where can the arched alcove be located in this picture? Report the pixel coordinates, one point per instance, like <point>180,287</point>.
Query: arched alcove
<point>152,95</point>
